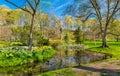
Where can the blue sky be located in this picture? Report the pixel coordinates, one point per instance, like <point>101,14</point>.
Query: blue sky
<point>56,6</point>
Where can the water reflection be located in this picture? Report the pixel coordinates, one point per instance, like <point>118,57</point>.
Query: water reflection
<point>55,63</point>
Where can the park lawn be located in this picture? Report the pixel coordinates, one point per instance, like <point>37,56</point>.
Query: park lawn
<point>113,49</point>
<point>61,72</point>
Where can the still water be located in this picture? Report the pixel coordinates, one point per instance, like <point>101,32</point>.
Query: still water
<point>54,63</point>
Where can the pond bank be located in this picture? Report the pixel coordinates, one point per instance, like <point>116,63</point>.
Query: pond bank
<point>106,68</point>
<point>57,62</point>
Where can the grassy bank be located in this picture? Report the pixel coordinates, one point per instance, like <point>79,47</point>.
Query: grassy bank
<point>61,72</point>
<point>113,49</point>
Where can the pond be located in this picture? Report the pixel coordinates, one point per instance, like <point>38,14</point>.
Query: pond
<point>54,63</point>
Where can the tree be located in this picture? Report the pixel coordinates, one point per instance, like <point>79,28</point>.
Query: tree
<point>16,32</point>
<point>68,21</point>
<point>33,4</point>
<point>113,29</point>
<point>105,12</point>
<point>112,7</point>
<point>3,15</point>
<point>78,36</point>
<point>12,17</point>
<point>44,22</point>
<point>58,24</point>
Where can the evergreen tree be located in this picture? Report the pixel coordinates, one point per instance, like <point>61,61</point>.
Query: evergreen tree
<point>78,36</point>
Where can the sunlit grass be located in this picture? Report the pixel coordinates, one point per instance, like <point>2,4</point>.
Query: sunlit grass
<point>61,72</point>
<point>113,49</point>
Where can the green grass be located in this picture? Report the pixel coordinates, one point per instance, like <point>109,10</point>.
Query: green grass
<point>113,49</point>
<point>4,43</point>
<point>61,72</point>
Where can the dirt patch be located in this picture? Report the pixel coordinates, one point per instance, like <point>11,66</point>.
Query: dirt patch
<point>107,68</point>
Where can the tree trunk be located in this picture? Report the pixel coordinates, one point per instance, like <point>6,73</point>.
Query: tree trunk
<point>117,39</point>
<point>104,40</point>
<point>61,33</point>
<point>31,33</point>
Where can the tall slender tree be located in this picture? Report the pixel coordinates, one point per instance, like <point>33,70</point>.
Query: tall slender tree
<point>34,5</point>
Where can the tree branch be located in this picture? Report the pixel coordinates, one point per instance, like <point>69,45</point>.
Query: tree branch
<point>114,11</point>
<point>89,16</point>
<point>28,1</point>
<point>18,6</point>
<point>98,13</point>
<point>37,4</point>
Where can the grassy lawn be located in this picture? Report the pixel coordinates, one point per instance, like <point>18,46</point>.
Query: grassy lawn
<point>113,49</point>
<point>61,72</point>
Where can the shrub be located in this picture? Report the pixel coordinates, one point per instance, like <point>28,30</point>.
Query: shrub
<point>42,41</point>
<point>38,39</point>
<point>78,36</point>
<point>66,38</point>
<point>13,56</point>
<point>4,43</point>
<point>56,43</point>
<point>16,44</point>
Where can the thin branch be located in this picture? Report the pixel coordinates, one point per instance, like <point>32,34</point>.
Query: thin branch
<point>86,17</point>
<point>31,6</point>
<point>37,4</point>
<point>98,13</point>
<point>18,6</point>
<point>114,11</point>
<point>113,34</point>
<point>117,9</point>
<point>89,16</point>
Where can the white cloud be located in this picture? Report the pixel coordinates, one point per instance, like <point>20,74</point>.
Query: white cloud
<point>63,5</point>
<point>4,6</point>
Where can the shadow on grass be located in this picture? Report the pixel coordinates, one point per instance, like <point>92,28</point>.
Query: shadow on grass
<point>103,72</point>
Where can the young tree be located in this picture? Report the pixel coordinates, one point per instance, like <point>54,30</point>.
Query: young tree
<point>68,21</point>
<point>78,35</point>
<point>34,5</point>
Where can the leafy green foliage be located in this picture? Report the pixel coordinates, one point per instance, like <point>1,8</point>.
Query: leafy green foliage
<point>4,43</point>
<point>13,56</point>
<point>56,43</point>
<point>16,44</point>
<point>78,36</point>
<point>22,34</point>
<point>66,38</point>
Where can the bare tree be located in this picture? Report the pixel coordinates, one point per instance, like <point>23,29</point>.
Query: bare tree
<point>34,5</point>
